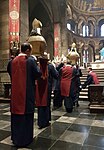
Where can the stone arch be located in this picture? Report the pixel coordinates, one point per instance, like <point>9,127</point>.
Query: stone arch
<point>94,20</point>
<point>69,12</point>
<point>74,17</point>
<point>36,12</point>
<point>101,44</point>
<point>82,18</point>
<point>100,23</point>
<point>81,22</point>
<point>40,9</point>
<point>72,24</point>
<point>99,19</point>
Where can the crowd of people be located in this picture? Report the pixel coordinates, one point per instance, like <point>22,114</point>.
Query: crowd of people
<point>32,85</point>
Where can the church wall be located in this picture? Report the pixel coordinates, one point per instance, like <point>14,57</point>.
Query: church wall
<point>4,39</point>
<point>4,43</point>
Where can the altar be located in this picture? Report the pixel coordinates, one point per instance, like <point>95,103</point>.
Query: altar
<point>97,65</point>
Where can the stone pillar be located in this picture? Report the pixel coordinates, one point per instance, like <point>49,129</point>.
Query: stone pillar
<point>64,35</point>
<point>76,28</point>
<point>61,35</point>
<point>57,40</point>
<point>4,43</point>
<point>97,30</point>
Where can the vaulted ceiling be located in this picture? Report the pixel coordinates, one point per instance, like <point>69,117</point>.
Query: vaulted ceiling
<point>46,11</point>
<point>89,5</point>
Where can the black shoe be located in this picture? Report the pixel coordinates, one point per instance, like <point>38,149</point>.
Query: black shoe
<point>73,103</point>
<point>77,104</point>
<point>41,127</point>
<point>54,108</point>
<point>69,110</point>
<point>48,124</point>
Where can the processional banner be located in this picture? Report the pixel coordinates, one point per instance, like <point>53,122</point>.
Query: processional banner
<point>14,20</point>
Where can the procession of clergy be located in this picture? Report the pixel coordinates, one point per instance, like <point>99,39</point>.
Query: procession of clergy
<point>33,81</point>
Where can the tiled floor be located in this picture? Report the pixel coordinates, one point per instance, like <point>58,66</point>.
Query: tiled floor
<point>78,130</point>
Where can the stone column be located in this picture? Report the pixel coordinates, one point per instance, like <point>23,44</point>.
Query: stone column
<point>4,30</point>
<point>64,35</point>
<point>57,39</point>
<point>97,30</point>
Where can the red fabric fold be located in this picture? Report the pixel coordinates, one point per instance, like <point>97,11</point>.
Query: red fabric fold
<point>42,85</point>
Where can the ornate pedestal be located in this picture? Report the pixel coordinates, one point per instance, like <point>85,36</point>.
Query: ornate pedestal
<point>96,98</point>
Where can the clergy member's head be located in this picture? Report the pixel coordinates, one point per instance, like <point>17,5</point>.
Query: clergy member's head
<point>89,69</point>
<point>26,48</point>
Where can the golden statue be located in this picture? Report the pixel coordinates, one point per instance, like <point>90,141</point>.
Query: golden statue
<point>36,39</point>
<point>73,56</point>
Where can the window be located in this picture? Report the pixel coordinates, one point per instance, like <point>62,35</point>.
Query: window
<point>102,30</point>
<point>68,26</point>
<point>85,31</point>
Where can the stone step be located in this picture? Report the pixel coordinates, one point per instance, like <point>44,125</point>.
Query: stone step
<point>84,93</point>
<point>84,90</point>
<point>85,70</point>
<point>96,109</point>
<point>101,80</point>
<point>99,75</point>
<point>94,71</point>
<point>4,100</point>
<point>83,98</point>
<point>84,78</point>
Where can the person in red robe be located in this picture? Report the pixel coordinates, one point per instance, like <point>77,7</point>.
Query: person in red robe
<point>67,86</point>
<point>23,71</point>
<point>91,78</point>
<point>43,92</point>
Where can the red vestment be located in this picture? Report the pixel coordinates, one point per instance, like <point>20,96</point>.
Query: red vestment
<point>66,78</point>
<point>42,85</point>
<point>18,90</point>
<point>95,78</point>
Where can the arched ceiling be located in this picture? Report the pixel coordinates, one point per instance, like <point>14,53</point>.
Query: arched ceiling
<point>37,9</point>
<point>47,11</point>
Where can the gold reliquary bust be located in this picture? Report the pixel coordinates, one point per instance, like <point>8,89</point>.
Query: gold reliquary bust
<point>73,56</point>
<point>36,39</point>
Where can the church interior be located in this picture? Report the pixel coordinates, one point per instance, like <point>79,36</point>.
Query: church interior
<point>64,22</point>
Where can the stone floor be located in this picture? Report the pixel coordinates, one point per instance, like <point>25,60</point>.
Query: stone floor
<point>79,130</point>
